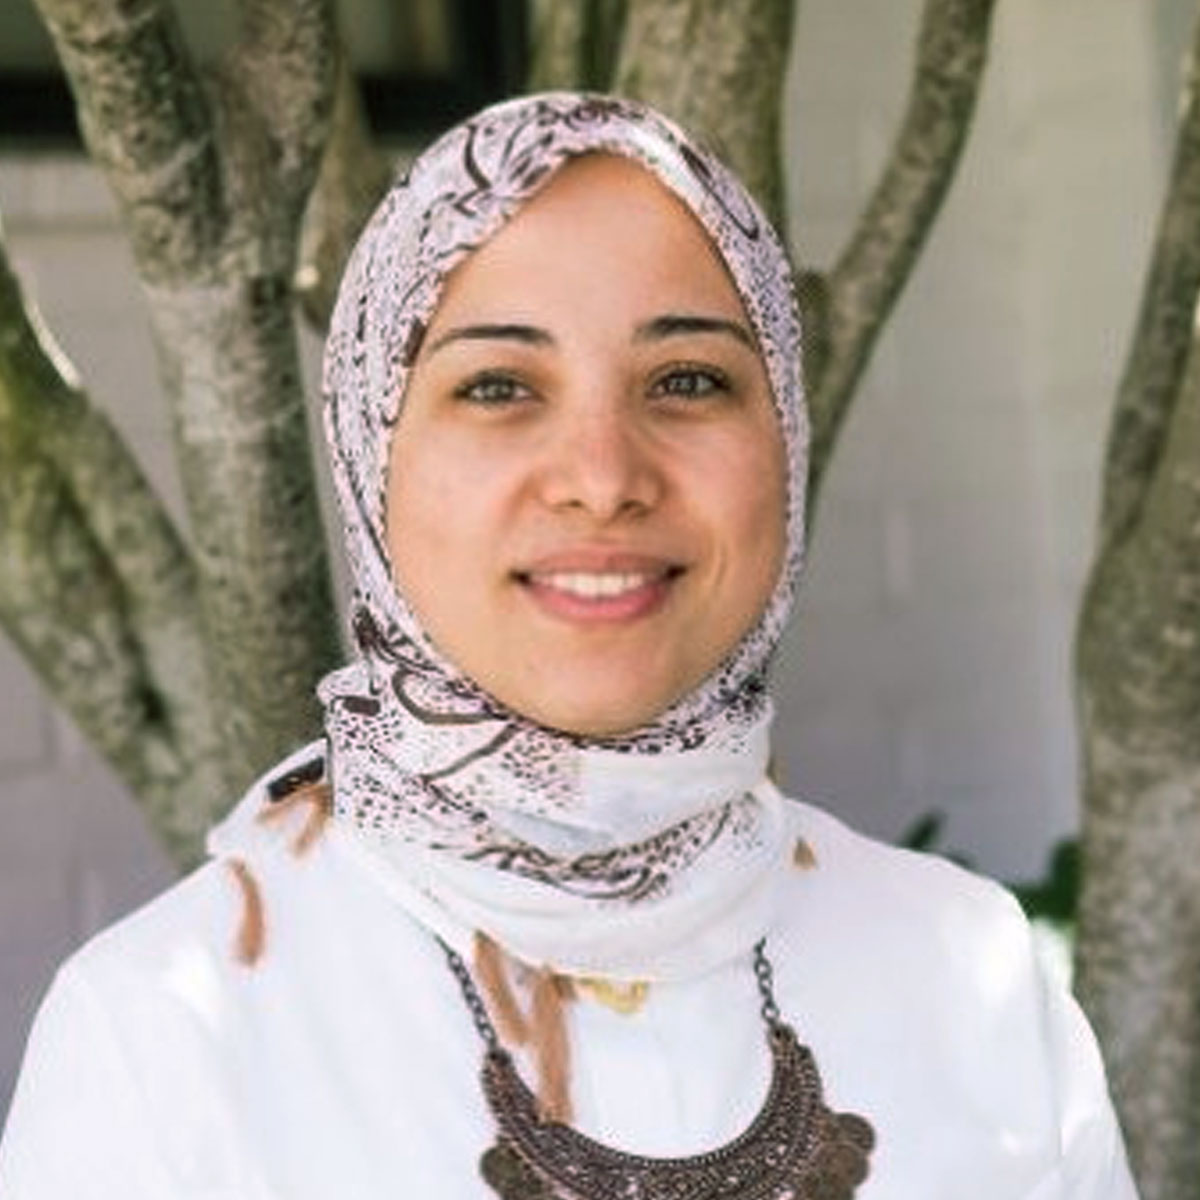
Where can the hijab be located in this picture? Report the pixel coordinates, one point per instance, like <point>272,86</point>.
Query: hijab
<point>646,855</point>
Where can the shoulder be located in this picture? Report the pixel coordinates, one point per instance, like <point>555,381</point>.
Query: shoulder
<point>946,949</point>
<point>923,988</point>
<point>922,992</point>
<point>191,929</point>
<point>919,984</point>
<point>136,1046</point>
<point>876,882</point>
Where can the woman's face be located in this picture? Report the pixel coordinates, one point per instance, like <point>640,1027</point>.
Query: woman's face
<point>587,482</point>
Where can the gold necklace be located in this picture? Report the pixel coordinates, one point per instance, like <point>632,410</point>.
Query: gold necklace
<point>623,998</point>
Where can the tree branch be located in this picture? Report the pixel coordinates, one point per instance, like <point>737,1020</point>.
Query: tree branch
<point>146,121</point>
<point>287,63</point>
<point>717,67</point>
<point>1141,628</point>
<point>230,358</point>
<point>97,588</point>
<point>1163,334</point>
<point>864,285</point>
<point>575,43</point>
<point>352,179</point>
<point>216,253</point>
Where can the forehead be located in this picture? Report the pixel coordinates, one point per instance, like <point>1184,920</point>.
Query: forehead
<point>600,182</point>
<point>601,235</point>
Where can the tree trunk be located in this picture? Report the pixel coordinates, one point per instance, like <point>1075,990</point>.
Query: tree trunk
<point>212,183</point>
<point>97,588</point>
<point>718,68</point>
<point>574,43</point>
<point>1138,661</point>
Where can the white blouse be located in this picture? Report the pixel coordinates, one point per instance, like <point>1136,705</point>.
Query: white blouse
<point>345,1063</point>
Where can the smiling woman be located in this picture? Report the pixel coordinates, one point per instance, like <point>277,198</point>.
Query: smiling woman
<point>587,496</point>
<point>540,842</point>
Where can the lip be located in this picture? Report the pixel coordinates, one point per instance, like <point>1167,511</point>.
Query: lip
<point>617,597</point>
<point>599,560</point>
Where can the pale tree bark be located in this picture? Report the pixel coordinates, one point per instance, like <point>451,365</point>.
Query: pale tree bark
<point>1138,659</point>
<point>212,182</point>
<point>354,175</point>
<point>97,588</point>
<point>718,68</point>
<point>574,43</point>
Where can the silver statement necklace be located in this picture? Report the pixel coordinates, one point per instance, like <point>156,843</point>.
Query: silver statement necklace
<point>796,1148</point>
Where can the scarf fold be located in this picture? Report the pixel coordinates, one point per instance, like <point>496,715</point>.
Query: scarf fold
<point>625,856</point>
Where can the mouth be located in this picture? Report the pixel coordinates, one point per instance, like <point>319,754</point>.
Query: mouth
<point>616,592</point>
<point>595,586</point>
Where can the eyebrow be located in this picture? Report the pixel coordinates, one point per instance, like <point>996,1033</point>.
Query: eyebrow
<point>528,335</point>
<point>676,324</point>
<point>656,329</point>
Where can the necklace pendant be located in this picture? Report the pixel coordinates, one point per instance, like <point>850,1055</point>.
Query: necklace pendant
<point>795,1149</point>
<point>507,1174</point>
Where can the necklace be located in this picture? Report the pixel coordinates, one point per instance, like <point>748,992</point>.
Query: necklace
<point>796,1148</point>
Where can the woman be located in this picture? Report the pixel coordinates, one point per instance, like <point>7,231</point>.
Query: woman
<point>556,936</point>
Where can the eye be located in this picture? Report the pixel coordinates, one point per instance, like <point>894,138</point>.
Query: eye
<point>492,389</point>
<point>691,381</point>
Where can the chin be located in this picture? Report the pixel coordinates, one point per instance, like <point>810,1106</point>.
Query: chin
<point>596,716</point>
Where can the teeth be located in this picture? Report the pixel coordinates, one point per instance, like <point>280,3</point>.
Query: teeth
<point>592,587</point>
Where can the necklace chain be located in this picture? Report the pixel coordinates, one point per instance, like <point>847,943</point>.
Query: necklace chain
<point>475,1004</point>
<point>764,975</point>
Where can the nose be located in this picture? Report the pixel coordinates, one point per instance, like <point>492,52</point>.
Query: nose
<point>602,463</point>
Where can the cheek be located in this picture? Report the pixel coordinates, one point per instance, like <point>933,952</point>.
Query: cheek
<point>424,495</point>
<point>763,543</point>
<point>409,501</point>
<point>775,501</point>
<point>753,503</point>
<point>447,502</point>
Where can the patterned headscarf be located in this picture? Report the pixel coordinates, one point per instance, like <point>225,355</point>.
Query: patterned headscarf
<point>422,757</point>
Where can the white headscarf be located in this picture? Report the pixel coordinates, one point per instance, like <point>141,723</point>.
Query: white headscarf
<point>648,854</point>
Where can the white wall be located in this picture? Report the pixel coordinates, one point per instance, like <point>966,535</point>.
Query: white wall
<point>929,666</point>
